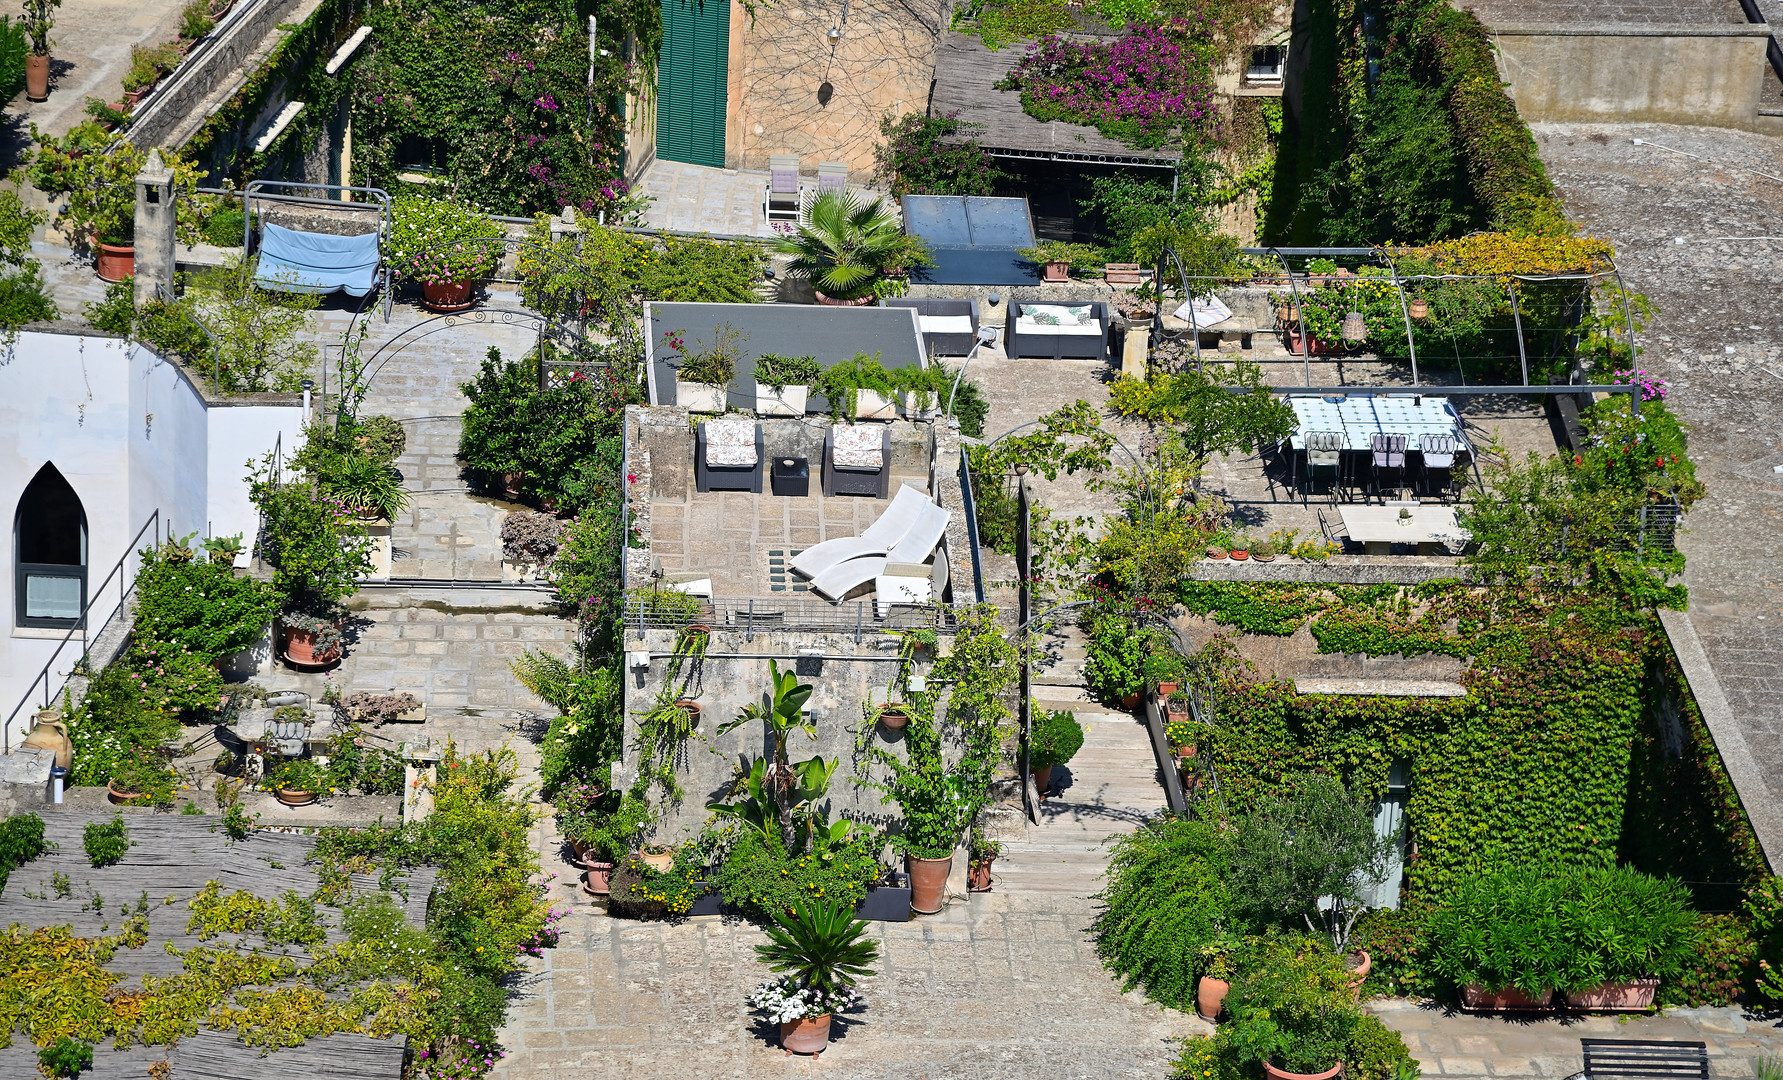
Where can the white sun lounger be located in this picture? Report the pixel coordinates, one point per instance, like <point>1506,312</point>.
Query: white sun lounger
<point>876,539</point>
<point>915,547</point>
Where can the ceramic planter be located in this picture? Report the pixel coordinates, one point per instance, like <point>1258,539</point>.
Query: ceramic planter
<point>1130,701</point>
<point>1165,689</point>
<point>597,879</point>
<point>301,650</point>
<point>928,883</point>
<point>1636,996</point>
<point>294,797</point>
<point>978,875</point>
<point>50,733</point>
<point>701,397</point>
<point>1360,965</point>
<point>37,77</point>
<point>789,400</point>
<point>1270,1072</point>
<point>1210,997</point>
<point>692,709</point>
<point>1238,554</point>
<point>657,861</point>
<point>915,410</point>
<point>446,295</point>
<point>806,1036</point>
<point>872,405</point>
<point>1297,345</point>
<point>893,717</point>
<point>1477,998</point>
<point>1057,271</point>
<point>122,798</point>
<point>1043,779</point>
<point>114,262</point>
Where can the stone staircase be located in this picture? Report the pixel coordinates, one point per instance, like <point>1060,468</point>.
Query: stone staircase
<point>1107,790</point>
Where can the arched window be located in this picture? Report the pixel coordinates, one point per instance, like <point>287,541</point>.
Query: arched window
<point>49,537</point>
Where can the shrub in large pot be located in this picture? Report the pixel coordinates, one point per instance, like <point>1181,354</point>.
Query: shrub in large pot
<point>704,374</point>
<point>38,19</point>
<point>1115,665</point>
<point>821,949</point>
<point>1057,738</point>
<point>1290,1011</point>
<point>851,250</point>
<point>98,176</point>
<point>445,246</point>
<point>938,802</point>
<point>1602,936</point>
<point>783,383</point>
<point>318,549</point>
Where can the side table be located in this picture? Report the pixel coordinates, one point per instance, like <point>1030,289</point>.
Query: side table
<point>791,476</point>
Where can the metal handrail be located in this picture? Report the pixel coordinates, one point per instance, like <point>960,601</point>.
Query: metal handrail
<point>124,591</point>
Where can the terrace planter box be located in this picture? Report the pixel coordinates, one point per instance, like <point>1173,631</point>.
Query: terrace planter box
<point>872,405</point>
<point>789,400</point>
<point>886,903</point>
<point>1320,347</point>
<point>709,902</point>
<point>1510,999</point>
<point>1636,996</point>
<point>701,397</point>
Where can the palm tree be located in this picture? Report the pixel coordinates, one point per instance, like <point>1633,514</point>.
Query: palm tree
<point>822,945</point>
<point>847,246</point>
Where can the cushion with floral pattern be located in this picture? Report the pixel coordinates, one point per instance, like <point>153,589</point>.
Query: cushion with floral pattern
<point>859,446</point>
<point>730,442</point>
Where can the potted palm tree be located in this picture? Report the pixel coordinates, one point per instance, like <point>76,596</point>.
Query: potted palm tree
<point>822,949</point>
<point>853,252</point>
<point>37,23</point>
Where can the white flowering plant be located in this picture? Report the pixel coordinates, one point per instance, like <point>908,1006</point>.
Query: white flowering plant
<point>441,242</point>
<point>784,1000</point>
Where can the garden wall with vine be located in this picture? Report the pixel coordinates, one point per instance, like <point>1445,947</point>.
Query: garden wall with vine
<point>1424,144</point>
<point>1576,742</point>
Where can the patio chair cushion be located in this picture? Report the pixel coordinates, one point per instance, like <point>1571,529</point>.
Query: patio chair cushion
<point>1060,315</point>
<point>1439,451</point>
<point>1323,448</point>
<point>1029,327</point>
<point>945,324</point>
<point>305,262</point>
<point>730,443</point>
<point>859,446</point>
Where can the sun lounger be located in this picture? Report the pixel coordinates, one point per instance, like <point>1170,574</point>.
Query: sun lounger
<point>916,545</point>
<point>877,539</point>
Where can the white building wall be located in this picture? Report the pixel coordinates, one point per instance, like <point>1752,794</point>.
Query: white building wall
<point>132,435</point>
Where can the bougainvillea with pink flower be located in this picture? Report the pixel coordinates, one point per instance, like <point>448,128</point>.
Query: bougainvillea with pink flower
<point>1151,87</point>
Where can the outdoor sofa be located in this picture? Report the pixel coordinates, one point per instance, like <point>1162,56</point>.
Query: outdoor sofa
<point>949,327</point>
<point>1056,331</point>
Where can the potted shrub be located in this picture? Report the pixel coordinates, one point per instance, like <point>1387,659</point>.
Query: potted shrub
<point>783,383</point>
<point>658,857</point>
<point>311,640</point>
<point>703,382</point>
<point>1056,739</point>
<point>822,949</point>
<point>37,22</point>
<point>1291,1013</point>
<point>1115,666</point>
<point>851,250</point>
<point>1263,551</point>
<point>141,780</point>
<point>922,391</point>
<point>446,246</point>
<point>1057,258</point>
<point>861,389</point>
<point>1217,969</point>
<point>99,180</point>
<point>981,854</point>
<point>148,63</point>
<point>297,781</point>
<point>1240,550</point>
<point>1164,671</point>
<point>1627,931</point>
<point>1182,736</point>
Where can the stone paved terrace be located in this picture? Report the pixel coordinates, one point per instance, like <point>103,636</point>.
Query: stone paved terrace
<point>1718,338</point>
<point>699,198</point>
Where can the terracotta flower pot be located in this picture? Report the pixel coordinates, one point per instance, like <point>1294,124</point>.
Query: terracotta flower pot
<point>659,861</point>
<point>1263,558</point>
<point>1130,701</point>
<point>692,709</point>
<point>37,77</point>
<point>832,301</point>
<point>114,262</point>
<point>1210,996</point>
<point>806,1036</point>
<point>928,882</point>
<point>122,798</point>
<point>300,649</point>
<point>511,483</point>
<point>1273,1073</point>
<point>1239,555</point>
<point>978,875</point>
<point>1510,999</point>
<point>597,880</point>
<point>1185,752</point>
<point>1359,969</point>
<point>294,797</point>
<point>1165,689</point>
<point>1043,780</point>
<point>1636,996</point>
<point>894,717</point>
<point>1057,271</point>
<point>1216,553</point>
<point>446,295</point>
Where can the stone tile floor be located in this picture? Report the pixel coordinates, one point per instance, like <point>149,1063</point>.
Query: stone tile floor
<point>736,535</point>
<point>698,198</point>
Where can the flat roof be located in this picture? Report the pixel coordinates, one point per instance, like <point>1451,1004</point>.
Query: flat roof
<point>827,334</point>
<point>1496,13</point>
<point>966,74</point>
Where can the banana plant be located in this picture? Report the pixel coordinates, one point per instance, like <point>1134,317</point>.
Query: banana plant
<point>786,811</point>
<point>783,709</point>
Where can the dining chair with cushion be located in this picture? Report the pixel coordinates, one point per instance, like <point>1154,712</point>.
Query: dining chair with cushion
<point>1324,454</point>
<point>1389,456</point>
<point>1439,463</point>
<point>783,188</point>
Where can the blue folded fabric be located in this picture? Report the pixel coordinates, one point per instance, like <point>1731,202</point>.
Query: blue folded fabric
<point>292,261</point>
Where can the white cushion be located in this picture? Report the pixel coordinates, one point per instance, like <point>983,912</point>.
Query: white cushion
<point>1060,315</point>
<point>730,442</point>
<point>1025,325</point>
<point>858,446</point>
<point>889,589</point>
<point>945,324</point>
<point>1203,311</point>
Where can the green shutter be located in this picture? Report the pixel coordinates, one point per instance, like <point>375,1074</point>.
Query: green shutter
<point>692,70</point>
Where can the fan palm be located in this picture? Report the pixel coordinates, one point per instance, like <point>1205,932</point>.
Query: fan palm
<point>845,246</point>
<point>822,945</point>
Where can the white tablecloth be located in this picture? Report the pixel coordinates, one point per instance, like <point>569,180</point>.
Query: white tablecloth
<point>1359,417</point>
<point>1380,524</point>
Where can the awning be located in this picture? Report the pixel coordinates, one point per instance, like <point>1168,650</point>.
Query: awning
<point>306,262</point>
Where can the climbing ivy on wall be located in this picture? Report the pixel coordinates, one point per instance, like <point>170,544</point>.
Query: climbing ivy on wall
<point>1553,754</point>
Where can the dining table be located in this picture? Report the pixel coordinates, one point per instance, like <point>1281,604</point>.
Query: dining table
<point>1359,417</point>
<point>1378,528</point>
